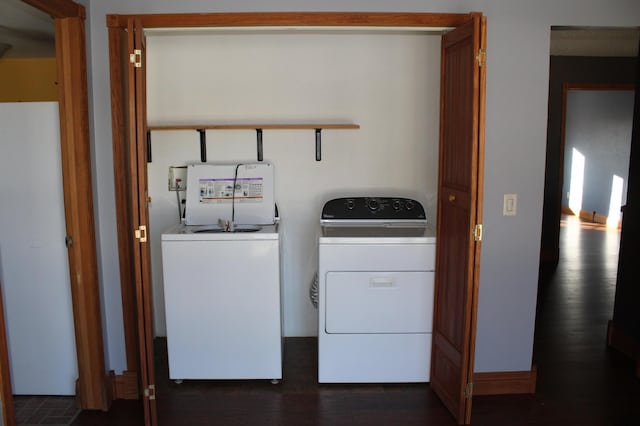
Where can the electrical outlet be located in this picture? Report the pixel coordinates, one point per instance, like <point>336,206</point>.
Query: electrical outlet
<point>177,178</point>
<point>510,205</point>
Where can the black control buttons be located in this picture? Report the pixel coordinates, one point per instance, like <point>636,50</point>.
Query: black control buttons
<point>350,204</point>
<point>373,204</point>
<point>373,208</point>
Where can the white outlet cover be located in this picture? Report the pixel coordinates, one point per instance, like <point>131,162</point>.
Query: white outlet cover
<point>510,205</point>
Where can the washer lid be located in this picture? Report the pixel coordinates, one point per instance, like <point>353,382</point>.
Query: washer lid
<point>240,192</point>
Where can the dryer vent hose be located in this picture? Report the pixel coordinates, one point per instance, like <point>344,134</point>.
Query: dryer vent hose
<point>313,291</point>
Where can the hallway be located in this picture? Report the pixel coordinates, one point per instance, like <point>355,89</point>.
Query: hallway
<point>580,381</point>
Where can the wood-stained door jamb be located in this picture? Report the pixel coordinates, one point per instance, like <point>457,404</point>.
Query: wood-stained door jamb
<point>78,197</point>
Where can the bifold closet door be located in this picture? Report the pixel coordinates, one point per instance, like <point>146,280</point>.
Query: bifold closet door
<point>459,216</point>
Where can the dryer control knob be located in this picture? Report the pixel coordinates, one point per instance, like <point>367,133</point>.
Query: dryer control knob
<point>409,205</point>
<point>350,204</point>
<point>373,204</point>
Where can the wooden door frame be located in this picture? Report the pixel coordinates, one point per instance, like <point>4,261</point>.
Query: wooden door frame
<point>252,20</point>
<point>6,396</point>
<point>73,103</point>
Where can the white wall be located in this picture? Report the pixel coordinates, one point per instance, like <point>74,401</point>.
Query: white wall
<point>386,83</point>
<point>517,86</point>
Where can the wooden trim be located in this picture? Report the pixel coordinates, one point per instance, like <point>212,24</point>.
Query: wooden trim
<point>593,217</point>
<point>505,382</point>
<point>78,202</point>
<point>117,49</point>
<point>563,130</point>
<point>588,216</point>
<point>144,302</point>
<point>123,386</point>
<point>78,196</point>
<point>59,8</point>
<point>477,196</point>
<point>300,19</point>
<point>254,126</point>
<point>6,394</point>
<point>630,347</point>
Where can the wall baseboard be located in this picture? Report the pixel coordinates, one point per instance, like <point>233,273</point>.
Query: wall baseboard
<point>621,342</point>
<point>593,217</point>
<point>505,382</point>
<point>123,386</point>
<point>566,210</point>
<point>588,216</point>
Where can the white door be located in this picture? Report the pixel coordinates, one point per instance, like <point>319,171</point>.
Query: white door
<point>33,256</point>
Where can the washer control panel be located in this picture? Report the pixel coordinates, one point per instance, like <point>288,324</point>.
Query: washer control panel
<point>373,208</point>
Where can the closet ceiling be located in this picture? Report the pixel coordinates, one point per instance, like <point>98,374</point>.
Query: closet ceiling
<point>581,41</point>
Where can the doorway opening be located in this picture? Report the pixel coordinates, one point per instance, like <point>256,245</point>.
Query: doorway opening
<point>590,117</point>
<point>463,52</point>
<point>587,59</point>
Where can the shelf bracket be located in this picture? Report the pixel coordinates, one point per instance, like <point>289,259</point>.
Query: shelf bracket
<point>203,145</point>
<point>259,144</point>
<point>318,144</point>
<point>148,146</point>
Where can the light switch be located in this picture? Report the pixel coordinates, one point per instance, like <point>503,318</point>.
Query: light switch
<point>510,206</point>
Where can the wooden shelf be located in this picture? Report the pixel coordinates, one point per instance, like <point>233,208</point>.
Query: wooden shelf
<point>254,126</point>
<point>202,128</point>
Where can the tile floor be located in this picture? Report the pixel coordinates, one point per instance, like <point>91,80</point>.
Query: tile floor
<point>45,410</point>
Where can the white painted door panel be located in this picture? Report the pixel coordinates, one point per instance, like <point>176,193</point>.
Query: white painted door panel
<point>34,260</point>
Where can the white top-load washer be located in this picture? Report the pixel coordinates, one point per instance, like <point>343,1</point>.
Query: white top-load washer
<point>222,290</point>
<point>375,291</point>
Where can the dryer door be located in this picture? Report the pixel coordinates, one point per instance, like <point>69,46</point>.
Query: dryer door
<point>361,302</point>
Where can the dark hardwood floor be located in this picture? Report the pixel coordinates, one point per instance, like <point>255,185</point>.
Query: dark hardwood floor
<point>580,381</point>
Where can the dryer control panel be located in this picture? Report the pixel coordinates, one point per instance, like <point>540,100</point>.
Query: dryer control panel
<point>373,208</point>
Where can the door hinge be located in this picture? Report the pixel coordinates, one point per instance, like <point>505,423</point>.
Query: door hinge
<point>141,233</point>
<point>68,241</point>
<point>477,232</point>
<point>150,392</point>
<point>468,390</point>
<point>136,58</point>
<point>481,57</point>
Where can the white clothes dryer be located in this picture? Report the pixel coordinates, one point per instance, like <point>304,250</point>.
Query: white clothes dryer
<point>375,291</point>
